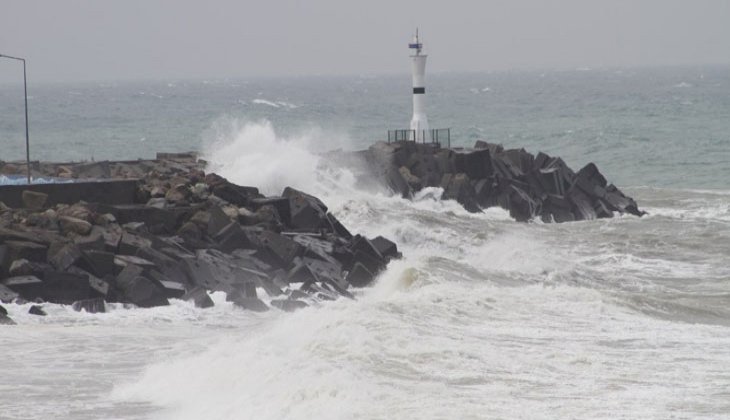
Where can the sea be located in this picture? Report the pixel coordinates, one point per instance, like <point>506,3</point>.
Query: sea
<point>482,318</point>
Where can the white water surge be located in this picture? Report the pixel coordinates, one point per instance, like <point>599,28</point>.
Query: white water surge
<point>483,318</point>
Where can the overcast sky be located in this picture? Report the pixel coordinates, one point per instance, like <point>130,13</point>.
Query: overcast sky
<point>147,39</point>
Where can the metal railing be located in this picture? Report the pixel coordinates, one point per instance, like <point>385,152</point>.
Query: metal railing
<point>434,135</point>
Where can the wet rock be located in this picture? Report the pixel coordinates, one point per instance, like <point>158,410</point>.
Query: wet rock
<point>458,187</point>
<point>64,287</point>
<point>288,305</point>
<point>37,310</point>
<point>6,294</point>
<point>251,304</point>
<point>386,247</point>
<point>4,318</point>
<point>276,249</point>
<point>199,297</point>
<point>359,275</point>
<point>27,287</point>
<point>91,306</point>
<point>138,289</point>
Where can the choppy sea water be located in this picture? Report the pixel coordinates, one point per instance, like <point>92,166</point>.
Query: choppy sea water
<point>484,317</point>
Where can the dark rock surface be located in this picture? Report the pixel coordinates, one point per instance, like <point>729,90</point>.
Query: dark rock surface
<point>528,186</point>
<point>181,233</point>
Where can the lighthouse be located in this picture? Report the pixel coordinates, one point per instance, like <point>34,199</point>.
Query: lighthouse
<point>419,122</point>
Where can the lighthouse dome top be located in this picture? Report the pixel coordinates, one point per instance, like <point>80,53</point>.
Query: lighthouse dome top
<point>416,44</point>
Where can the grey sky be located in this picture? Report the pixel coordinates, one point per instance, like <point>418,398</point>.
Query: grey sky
<point>137,39</point>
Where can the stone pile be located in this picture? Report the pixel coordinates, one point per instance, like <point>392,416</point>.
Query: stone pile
<point>528,186</point>
<point>185,233</point>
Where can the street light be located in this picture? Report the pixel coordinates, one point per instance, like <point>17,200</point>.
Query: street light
<point>25,86</point>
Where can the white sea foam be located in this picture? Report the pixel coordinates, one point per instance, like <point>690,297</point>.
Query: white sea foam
<point>483,318</point>
<point>265,102</point>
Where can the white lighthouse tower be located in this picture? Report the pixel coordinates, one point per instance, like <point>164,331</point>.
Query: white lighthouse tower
<point>419,122</point>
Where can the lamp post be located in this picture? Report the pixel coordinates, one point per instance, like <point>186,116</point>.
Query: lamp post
<point>25,87</point>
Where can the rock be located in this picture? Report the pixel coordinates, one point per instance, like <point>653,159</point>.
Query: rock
<point>99,286</point>
<point>6,294</point>
<point>172,289</point>
<point>359,275</point>
<point>250,304</point>
<point>64,257</point>
<point>30,251</point>
<point>234,194</point>
<point>277,249</point>
<point>199,296</point>
<point>132,244</point>
<point>4,318</point>
<point>282,206</point>
<point>217,220</point>
<point>233,237</point>
<point>338,228</point>
<point>37,310</point>
<point>92,170</point>
<point>157,202</point>
<point>74,225</point>
<point>99,263</point>
<point>34,200</point>
<point>94,240</point>
<point>91,306</point>
<point>138,289</point>
<point>288,305</point>
<point>386,247</point>
<point>27,287</point>
<point>307,212</point>
<point>474,163</point>
<point>414,182</point>
<point>65,288</point>
<point>458,187</point>
<point>20,267</point>
<point>122,261</point>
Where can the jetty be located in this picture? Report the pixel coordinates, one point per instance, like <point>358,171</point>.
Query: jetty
<point>146,231</point>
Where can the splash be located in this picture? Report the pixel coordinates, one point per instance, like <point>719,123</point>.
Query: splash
<point>253,154</point>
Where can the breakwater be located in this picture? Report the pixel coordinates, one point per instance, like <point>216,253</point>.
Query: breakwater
<point>143,232</point>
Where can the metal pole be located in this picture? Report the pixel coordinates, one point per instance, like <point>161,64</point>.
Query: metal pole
<point>27,138</point>
<point>25,90</point>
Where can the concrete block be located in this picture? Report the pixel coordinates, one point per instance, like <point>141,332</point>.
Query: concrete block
<point>30,251</point>
<point>65,257</point>
<point>34,200</point>
<point>138,289</point>
<point>338,228</point>
<point>99,263</point>
<point>282,205</point>
<point>359,275</point>
<point>386,247</point>
<point>65,288</point>
<point>251,304</point>
<point>279,250</point>
<point>7,295</point>
<point>199,297</point>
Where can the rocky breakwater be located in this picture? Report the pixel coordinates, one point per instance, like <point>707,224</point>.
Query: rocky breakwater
<point>181,234</point>
<point>528,186</point>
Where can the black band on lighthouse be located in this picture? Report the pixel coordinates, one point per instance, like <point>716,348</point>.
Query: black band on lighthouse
<point>420,90</point>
